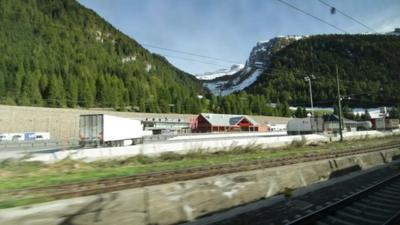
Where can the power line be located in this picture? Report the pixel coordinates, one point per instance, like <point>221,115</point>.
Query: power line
<point>188,53</point>
<point>348,16</point>
<point>311,15</point>
<point>193,60</point>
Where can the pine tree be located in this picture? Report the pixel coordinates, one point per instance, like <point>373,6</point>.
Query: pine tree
<point>17,84</point>
<point>72,91</point>
<point>3,90</point>
<point>30,90</point>
<point>298,113</point>
<point>54,92</point>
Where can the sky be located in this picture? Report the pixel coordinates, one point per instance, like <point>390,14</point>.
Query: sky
<point>229,29</point>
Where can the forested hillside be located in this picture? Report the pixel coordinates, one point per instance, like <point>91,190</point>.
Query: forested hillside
<point>368,66</point>
<point>60,54</point>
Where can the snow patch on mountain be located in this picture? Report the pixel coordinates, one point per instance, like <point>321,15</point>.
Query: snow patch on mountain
<point>219,73</point>
<point>220,84</point>
<point>226,87</point>
<point>244,84</point>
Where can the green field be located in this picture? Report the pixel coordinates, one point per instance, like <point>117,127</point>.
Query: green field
<point>16,174</point>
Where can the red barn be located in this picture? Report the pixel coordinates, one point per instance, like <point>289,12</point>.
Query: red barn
<point>209,122</point>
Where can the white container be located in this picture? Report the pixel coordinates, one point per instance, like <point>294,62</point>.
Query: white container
<point>5,137</point>
<point>42,136</point>
<point>101,129</point>
<point>304,126</point>
<point>16,136</point>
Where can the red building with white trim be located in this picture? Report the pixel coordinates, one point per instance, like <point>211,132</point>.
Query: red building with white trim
<point>210,122</point>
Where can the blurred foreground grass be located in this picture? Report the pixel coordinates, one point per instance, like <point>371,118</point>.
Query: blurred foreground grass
<point>18,174</point>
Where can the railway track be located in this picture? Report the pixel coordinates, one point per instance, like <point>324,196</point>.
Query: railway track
<point>378,204</point>
<point>147,179</point>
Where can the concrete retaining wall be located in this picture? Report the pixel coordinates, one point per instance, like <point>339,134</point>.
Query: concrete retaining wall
<point>184,146</point>
<point>63,123</point>
<point>183,201</point>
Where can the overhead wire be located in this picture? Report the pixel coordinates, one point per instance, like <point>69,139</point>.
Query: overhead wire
<point>188,53</point>
<point>313,16</point>
<point>193,60</point>
<point>220,59</point>
<point>348,16</point>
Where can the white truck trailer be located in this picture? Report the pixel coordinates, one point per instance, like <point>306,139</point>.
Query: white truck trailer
<point>106,130</point>
<point>304,126</point>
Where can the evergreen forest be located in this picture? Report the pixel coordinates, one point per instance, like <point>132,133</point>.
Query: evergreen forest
<point>368,67</point>
<point>61,54</point>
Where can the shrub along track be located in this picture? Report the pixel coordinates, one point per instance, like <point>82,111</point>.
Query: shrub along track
<point>141,180</point>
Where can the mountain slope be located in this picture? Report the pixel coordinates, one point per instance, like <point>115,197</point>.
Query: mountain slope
<point>369,70</point>
<point>58,53</point>
<point>220,73</point>
<point>259,59</point>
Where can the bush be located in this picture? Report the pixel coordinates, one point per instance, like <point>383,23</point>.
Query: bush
<point>198,154</point>
<point>144,159</point>
<point>170,156</point>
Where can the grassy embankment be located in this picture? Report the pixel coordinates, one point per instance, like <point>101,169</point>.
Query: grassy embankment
<point>16,174</point>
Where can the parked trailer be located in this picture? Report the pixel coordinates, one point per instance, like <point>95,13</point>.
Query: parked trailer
<point>39,136</point>
<point>27,136</point>
<point>16,136</point>
<point>106,130</point>
<point>385,124</point>
<point>304,126</point>
<point>5,137</point>
<point>391,124</point>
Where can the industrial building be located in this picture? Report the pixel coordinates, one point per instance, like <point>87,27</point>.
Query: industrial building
<point>331,124</point>
<point>166,125</point>
<point>210,122</point>
<point>327,124</point>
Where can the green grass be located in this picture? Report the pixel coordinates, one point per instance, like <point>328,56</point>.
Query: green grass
<point>16,174</point>
<point>23,201</point>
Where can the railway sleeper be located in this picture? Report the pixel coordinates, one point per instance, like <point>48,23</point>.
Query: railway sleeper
<point>383,200</point>
<point>379,204</point>
<point>321,223</point>
<point>370,213</point>
<point>357,219</point>
<point>396,184</point>
<point>364,206</point>
<point>395,190</point>
<point>388,194</point>
<point>335,220</point>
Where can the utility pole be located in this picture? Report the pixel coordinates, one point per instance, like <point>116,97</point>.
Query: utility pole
<point>339,104</point>
<point>307,78</point>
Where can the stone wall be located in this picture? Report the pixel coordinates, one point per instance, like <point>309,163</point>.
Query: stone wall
<point>183,201</point>
<point>63,123</point>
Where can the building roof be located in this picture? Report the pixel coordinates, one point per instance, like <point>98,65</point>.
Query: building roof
<point>226,119</point>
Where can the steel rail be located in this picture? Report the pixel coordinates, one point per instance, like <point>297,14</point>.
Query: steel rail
<point>315,216</point>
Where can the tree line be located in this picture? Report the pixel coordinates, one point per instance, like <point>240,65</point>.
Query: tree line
<point>60,54</point>
<point>368,68</point>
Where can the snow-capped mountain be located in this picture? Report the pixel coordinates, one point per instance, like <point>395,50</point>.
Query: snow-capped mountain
<point>219,73</point>
<point>257,62</point>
